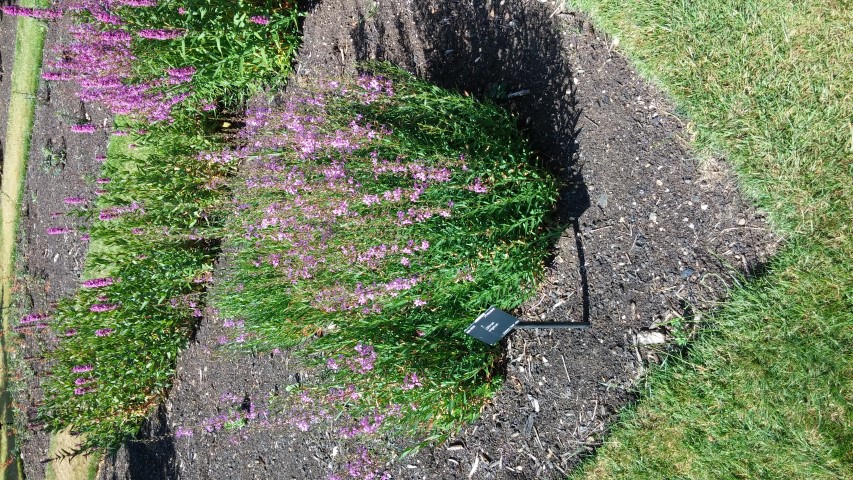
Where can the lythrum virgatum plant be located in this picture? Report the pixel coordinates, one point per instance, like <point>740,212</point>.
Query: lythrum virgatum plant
<point>119,336</point>
<point>372,222</point>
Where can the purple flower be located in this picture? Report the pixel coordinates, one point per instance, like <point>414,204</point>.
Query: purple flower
<point>181,75</point>
<point>260,20</point>
<point>98,282</point>
<point>83,128</point>
<point>477,186</point>
<point>104,332</point>
<point>103,181</point>
<point>419,302</point>
<point>56,76</point>
<point>82,369</point>
<point>103,307</point>
<point>411,381</point>
<point>33,318</point>
<point>183,432</point>
<point>331,364</point>
<point>70,332</point>
<point>138,3</point>
<point>160,34</point>
<point>57,230</point>
<point>74,201</point>
<point>108,18</point>
<point>81,391</point>
<point>364,362</point>
<point>83,381</point>
<point>85,237</point>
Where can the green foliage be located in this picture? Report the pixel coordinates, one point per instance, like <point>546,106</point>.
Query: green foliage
<point>234,57</point>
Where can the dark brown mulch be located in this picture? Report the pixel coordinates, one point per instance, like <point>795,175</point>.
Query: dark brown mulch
<point>652,233</point>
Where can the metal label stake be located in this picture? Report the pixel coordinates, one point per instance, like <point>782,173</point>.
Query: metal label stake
<point>494,324</point>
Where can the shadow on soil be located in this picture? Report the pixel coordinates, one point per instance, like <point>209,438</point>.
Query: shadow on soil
<point>151,457</point>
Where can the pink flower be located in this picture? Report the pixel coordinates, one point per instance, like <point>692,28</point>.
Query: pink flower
<point>182,432</point>
<point>82,369</point>
<point>103,307</point>
<point>419,302</point>
<point>184,73</point>
<point>98,282</point>
<point>83,128</point>
<point>104,332</point>
<point>108,18</point>
<point>33,318</point>
<point>260,20</point>
<point>57,230</point>
<point>411,381</point>
<point>477,186</point>
<point>74,201</point>
<point>331,364</point>
<point>160,34</point>
<point>70,332</point>
<point>138,3</point>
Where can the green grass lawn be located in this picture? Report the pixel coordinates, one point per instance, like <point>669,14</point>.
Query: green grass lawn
<point>766,389</point>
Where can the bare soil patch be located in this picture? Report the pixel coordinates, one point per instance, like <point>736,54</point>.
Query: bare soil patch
<point>653,234</point>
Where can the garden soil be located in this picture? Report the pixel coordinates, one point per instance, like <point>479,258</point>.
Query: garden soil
<point>652,234</point>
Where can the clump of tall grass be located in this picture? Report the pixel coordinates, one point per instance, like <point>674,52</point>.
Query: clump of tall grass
<point>372,222</point>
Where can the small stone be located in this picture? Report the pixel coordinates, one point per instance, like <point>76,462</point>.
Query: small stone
<point>651,338</point>
<point>741,222</point>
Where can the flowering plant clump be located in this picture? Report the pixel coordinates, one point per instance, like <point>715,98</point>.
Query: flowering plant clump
<point>392,211</point>
<point>125,337</point>
<point>152,61</point>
